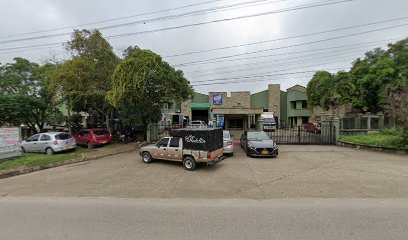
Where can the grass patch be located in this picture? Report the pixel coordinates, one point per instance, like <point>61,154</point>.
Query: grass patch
<point>40,159</point>
<point>389,138</point>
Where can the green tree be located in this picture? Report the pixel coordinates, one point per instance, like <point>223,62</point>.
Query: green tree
<point>142,82</point>
<point>25,97</point>
<point>371,76</point>
<point>84,80</point>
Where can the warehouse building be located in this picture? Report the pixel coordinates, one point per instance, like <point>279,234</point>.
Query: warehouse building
<point>242,110</point>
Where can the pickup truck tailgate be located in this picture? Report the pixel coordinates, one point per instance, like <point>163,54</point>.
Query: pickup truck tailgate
<point>216,153</point>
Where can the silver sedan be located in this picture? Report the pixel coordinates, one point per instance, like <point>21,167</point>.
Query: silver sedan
<point>49,143</point>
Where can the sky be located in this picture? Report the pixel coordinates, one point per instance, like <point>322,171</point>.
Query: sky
<point>263,41</point>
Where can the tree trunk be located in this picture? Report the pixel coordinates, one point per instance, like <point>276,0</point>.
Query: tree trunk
<point>69,118</point>
<point>107,122</point>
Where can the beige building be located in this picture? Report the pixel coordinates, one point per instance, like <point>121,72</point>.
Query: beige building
<point>241,110</point>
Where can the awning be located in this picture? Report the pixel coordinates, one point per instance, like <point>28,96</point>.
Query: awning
<point>198,106</point>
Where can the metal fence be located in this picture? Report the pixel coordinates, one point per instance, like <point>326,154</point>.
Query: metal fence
<point>301,135</point>
<point>282,135</point>
<point>156,132</point>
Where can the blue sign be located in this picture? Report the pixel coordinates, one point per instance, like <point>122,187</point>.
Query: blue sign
<point>217,99</point>
<point>220,120</point>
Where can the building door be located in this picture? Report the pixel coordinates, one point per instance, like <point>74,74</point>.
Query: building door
<point>201,115</point>
<point>236,123</point>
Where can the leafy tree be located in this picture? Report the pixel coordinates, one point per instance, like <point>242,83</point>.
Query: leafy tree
<point>142,82</point>
<point>371,75</point>
<point>398,107</point>
<point>317,87</point>
<point>25,97</point>
<point>84,80</point>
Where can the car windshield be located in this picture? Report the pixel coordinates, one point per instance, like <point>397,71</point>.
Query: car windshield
<point>226,135</point>
<point>62,136</point>
<point>257,136</point>
<point>269,120</point>
<point>316,124</point>
<point>100,132</point>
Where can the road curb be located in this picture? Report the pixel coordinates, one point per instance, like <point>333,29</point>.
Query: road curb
<point>25,170</point>
<point>372,148</point>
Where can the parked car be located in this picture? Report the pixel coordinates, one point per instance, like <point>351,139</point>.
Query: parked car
<point>197,124</point>
<point>49,143</point>
<point>93,137</point>
<point>228,143</point>
<point>258,143</point>
<point>189,146</point>
<point>313,127</point>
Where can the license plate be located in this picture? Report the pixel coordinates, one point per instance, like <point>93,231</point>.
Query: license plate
<point>103,142</point>
<point>265,152</point>
<point>68,147</point>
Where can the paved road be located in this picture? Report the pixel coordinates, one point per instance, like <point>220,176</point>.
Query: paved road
<point>109,218</point>
<point>298,172</point>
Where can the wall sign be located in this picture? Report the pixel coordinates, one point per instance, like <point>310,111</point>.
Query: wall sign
<point>217,99</point>
<point>220,120</point>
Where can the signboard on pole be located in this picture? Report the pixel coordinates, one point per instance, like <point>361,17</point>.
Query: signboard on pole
<point>10,144</point>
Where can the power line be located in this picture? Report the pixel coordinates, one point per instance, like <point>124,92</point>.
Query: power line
<point>300,7</point>
<point>286,38</point>
<point>151,20</point>
<point>112,19</point>
<point>302,60</point>
<point>269,75</point>
<point>290,46</point>
<point>274,72</point>
<point>230,68</point>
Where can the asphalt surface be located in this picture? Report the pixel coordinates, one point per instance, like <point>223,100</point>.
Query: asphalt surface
<point>304,171</point>
<point>110,218</point>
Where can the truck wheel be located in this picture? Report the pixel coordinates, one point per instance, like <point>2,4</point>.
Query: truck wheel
<point>146,157</point>
<point>189,163</point>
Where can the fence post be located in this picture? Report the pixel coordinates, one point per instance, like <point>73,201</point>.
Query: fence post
<point>336,124</point>
<point>148,133</point>
<point>299,134</point>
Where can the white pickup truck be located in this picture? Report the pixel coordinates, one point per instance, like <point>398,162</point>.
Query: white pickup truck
<point>189,146</point>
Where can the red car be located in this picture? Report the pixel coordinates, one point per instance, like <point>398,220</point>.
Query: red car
<point>313,127</point>
<point>93,137</point>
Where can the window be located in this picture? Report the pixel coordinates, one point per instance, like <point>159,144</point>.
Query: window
<point>236,123</point>
<point>175,142</point>
<point>304,104</point>
<point>62,136</point>
<point>257,136</point>
<point>34,138</point>
<point>45,137</point>
<point>163,142</point>
<point>101,132</point>
<point>226,135</point>
<point>84,133</point>
<point>293,104</point>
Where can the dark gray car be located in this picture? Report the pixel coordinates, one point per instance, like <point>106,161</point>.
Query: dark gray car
<point>258,143</point>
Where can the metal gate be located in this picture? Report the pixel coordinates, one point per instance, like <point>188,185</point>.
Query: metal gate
<point>301,135</point>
